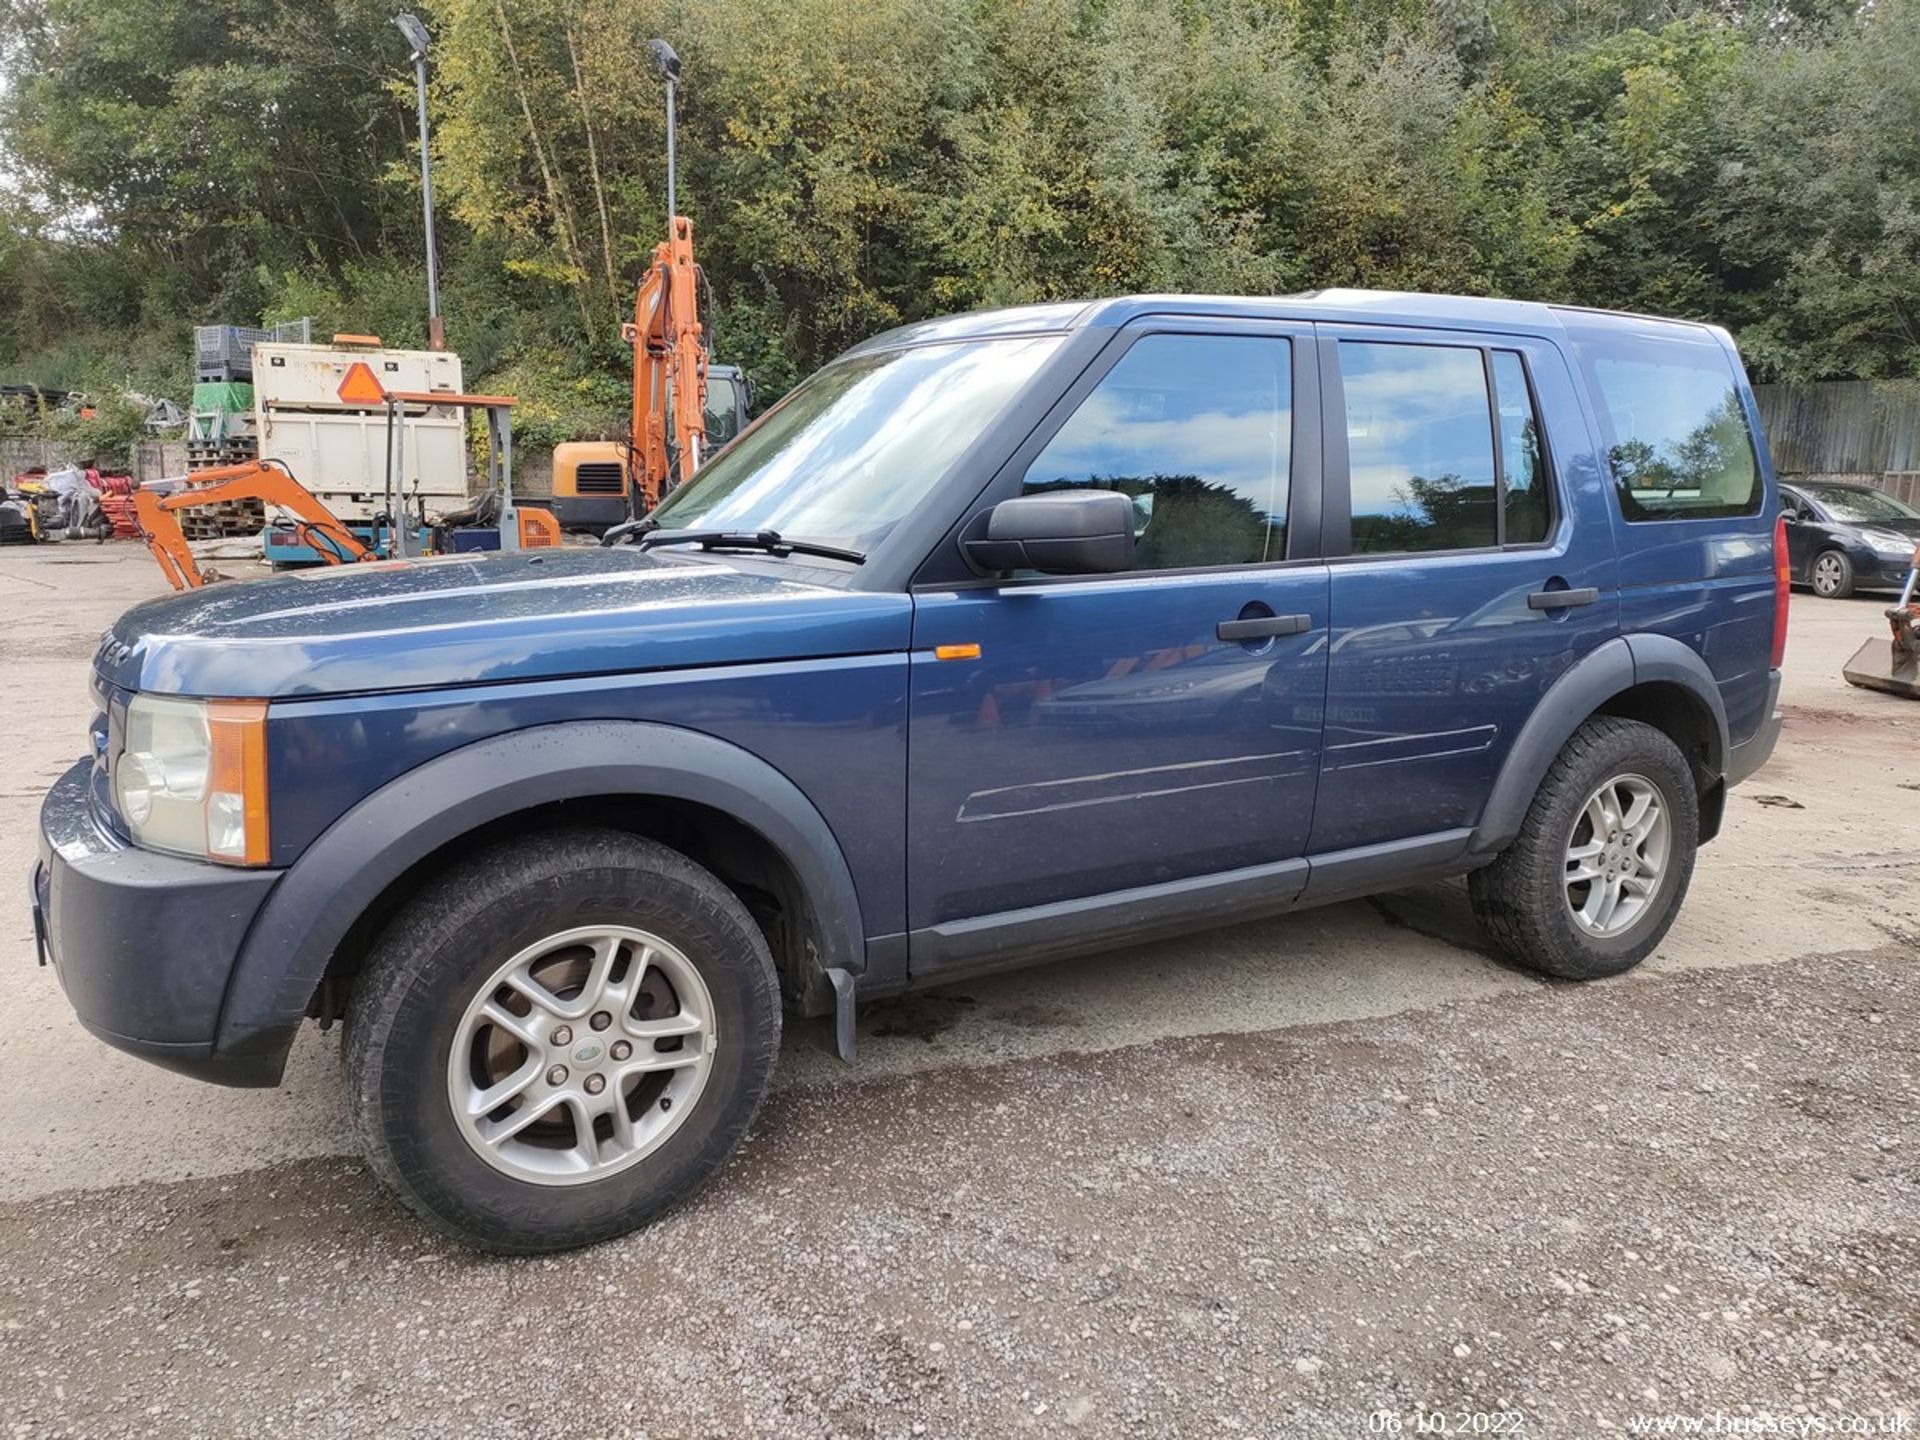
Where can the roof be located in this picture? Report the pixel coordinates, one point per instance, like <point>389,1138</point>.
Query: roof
<point>1353,306</point>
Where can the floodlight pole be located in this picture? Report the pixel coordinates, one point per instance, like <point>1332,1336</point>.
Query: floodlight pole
<point>672,163</point>
<point>417,37</point>
<point>669,65</point>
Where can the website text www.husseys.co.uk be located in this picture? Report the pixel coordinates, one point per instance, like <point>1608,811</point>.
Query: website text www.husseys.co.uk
<point>1719,1422</point>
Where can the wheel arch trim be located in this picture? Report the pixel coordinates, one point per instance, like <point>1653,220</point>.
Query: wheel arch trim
<point>315,904</point>
<point>1608,671</point>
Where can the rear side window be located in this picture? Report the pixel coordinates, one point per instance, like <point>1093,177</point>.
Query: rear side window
<point>1677,437</point>
<point>1198,431</point>
<point>1419,447</point>
<point>1443,449</point>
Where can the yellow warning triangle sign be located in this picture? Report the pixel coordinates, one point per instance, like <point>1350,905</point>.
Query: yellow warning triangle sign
<point>360,387</point>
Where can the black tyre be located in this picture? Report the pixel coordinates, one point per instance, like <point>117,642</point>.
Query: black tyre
<point>559,1039</point>
<point>1598,871</point>
<point>1831,575</point>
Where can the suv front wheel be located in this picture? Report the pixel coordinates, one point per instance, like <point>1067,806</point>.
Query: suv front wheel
<point>1594,879</point>
<point>559,1038</point>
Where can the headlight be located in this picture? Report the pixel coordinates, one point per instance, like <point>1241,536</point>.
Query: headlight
<point>191,778</point>
<point>1891,544</point>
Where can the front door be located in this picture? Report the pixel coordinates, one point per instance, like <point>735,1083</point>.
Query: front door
<point>1121,732</point>
<point>1470,584</point>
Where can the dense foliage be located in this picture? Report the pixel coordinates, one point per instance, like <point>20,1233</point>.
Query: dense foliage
<point>850,166</point>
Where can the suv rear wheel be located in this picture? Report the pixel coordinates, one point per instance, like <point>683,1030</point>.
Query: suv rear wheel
<point>559,1039</point>
<point>1597,873</point>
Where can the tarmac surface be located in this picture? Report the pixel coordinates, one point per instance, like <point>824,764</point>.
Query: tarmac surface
<point>1282,1179</point>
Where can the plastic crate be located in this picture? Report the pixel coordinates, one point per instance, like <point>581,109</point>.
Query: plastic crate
<point>226,345</point>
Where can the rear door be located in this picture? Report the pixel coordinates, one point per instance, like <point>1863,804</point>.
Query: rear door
<point>1472,565</point>
<point>1073,736</point>
<point>1691,498</point>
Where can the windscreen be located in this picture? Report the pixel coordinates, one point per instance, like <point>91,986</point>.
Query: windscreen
<point>1859,507</point>
<point>858,445</point>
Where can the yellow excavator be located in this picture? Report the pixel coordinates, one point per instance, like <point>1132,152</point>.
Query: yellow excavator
<point>683,405</point>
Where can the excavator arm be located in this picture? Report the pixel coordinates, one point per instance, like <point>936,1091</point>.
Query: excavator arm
<point>669,368</point>
<point>316,525</point>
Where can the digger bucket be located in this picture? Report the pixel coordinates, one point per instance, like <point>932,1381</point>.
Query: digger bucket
<point>1885,665</point>
<point>1893,664</point>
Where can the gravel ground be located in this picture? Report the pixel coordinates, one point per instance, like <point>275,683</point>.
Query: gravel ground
<point>1574,1205</point>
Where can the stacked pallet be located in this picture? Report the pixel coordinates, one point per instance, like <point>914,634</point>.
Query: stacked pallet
<point>229,519</point>
<point>231,449</point>
<point>221,433</point>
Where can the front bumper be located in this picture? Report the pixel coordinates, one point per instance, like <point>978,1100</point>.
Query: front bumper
<point>1874,571</point>
<point>143,943</point>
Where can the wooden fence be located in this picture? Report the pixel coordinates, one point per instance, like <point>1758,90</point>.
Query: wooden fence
<point>1860,430</point>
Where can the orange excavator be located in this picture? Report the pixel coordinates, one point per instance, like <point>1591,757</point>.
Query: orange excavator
<point>521,527</point>
<point>669,369</point>
<point>669,342</point>
<point>262,480</point>
<point>669,424</point>
<point>669,382</point>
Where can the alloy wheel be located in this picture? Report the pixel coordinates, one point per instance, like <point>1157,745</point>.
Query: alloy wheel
<point>1827,575</point>
<point>580,1055</point>
<point>1617,855</point>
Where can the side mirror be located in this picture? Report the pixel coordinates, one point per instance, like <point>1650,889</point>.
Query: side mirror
<point>1792,517</point>
<point>1068,532</point>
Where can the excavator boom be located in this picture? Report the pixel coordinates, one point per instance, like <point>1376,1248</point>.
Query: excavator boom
<point>669,368</point>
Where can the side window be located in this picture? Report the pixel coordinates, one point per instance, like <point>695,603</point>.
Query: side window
<point>1525,493</point>
<point>1677,436</point>
<point>722,414</point>
<point>1198,429</point>
<point>1419,447</point>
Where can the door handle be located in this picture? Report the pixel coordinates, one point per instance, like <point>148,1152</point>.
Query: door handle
<point>1261,627</point>
<point>1562,599</point>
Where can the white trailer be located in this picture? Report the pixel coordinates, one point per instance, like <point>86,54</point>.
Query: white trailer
<point>339,450</point>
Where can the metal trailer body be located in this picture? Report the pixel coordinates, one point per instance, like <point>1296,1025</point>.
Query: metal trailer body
<point>339,451</point>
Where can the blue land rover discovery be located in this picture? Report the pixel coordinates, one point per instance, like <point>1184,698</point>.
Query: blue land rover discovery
<point>1003,637</point>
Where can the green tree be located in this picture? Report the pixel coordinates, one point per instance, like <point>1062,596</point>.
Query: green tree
<point>849,168</point>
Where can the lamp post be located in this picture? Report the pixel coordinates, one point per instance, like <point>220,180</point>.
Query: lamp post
<point>669,67</point>
<point>417,37</point>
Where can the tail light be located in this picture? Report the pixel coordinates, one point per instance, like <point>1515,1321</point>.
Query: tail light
<point>1782,585</point>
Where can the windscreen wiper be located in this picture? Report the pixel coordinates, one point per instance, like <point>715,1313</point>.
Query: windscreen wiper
<point>770,541</point>
<point>629,530</point>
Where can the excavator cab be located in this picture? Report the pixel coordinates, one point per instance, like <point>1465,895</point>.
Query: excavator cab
<point>591,484</point>
<point>729,404</point>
